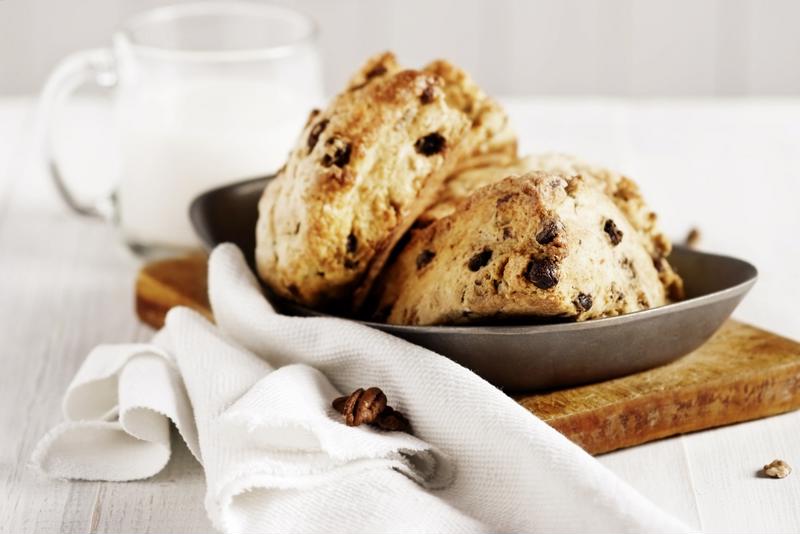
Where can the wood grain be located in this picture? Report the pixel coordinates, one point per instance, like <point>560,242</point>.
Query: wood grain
<point>741,373</point>
<point>162,285</point>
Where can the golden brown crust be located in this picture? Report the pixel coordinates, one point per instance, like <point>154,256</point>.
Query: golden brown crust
<point>622,190</point>
<point>360,174</point>
<point>539,245</point>
<point>379,65</point>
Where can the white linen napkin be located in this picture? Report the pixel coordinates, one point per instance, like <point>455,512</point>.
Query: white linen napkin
<point>251,399</point>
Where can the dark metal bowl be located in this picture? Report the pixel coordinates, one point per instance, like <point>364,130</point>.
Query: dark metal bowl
<point>537,356</point>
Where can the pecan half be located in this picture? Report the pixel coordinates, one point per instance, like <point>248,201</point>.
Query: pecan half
<point>369,407</point>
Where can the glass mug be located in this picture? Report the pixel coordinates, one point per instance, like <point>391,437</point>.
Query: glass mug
<point>204,94</point>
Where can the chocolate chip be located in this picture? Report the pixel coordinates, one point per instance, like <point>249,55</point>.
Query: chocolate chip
<point>312,115</point>
<point>316,131</point>
<point>419,224</point>
<point>427,95</point>
<point>582,302</point>
<point>341,153</point>
<point>424,258</point>
<point>481,259</point>
<point>352,243</point>
<point>543,273</point>
<point>614,233</point>
<point>548,232</point>
<point>431,144</point>
<point>377,70</point>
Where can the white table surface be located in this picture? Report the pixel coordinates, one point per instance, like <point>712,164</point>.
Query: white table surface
<point>731,168</point>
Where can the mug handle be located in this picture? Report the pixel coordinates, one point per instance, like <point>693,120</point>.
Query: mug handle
<point>74,71</point>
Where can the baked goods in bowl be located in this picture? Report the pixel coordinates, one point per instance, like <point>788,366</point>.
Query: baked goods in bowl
<point>362,171</point>
<point>536,245</point>
<point>530,353</point>
<point>495,262</point>
<point>405,200</point>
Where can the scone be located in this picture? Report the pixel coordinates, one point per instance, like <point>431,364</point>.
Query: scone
<point>541,245</point>
<point>360,174</point>
<point>622,190</point>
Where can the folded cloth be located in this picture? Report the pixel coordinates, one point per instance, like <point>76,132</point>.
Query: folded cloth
<point>251,399</point>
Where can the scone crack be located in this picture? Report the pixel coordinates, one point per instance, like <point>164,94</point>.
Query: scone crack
<point>374,159</point>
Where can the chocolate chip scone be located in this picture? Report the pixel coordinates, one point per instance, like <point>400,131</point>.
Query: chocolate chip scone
<point>360,174</point>
<point>623,191</point>
<point>541,245</point>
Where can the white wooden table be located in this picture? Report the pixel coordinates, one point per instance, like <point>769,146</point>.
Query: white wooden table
<point>732,168</point>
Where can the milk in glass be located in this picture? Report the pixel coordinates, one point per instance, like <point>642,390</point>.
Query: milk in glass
<point>178,140</point>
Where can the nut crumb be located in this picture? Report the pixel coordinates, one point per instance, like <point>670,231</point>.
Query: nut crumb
<point>777,469</point>
<point>693,238</point>
<point>369,407</point>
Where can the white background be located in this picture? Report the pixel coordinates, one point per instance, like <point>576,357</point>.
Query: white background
<point>513,47</point>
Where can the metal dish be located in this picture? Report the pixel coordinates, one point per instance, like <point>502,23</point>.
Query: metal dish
<point>540,356</point>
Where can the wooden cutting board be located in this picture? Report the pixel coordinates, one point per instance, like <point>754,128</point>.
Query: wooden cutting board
<point>741,373</point>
